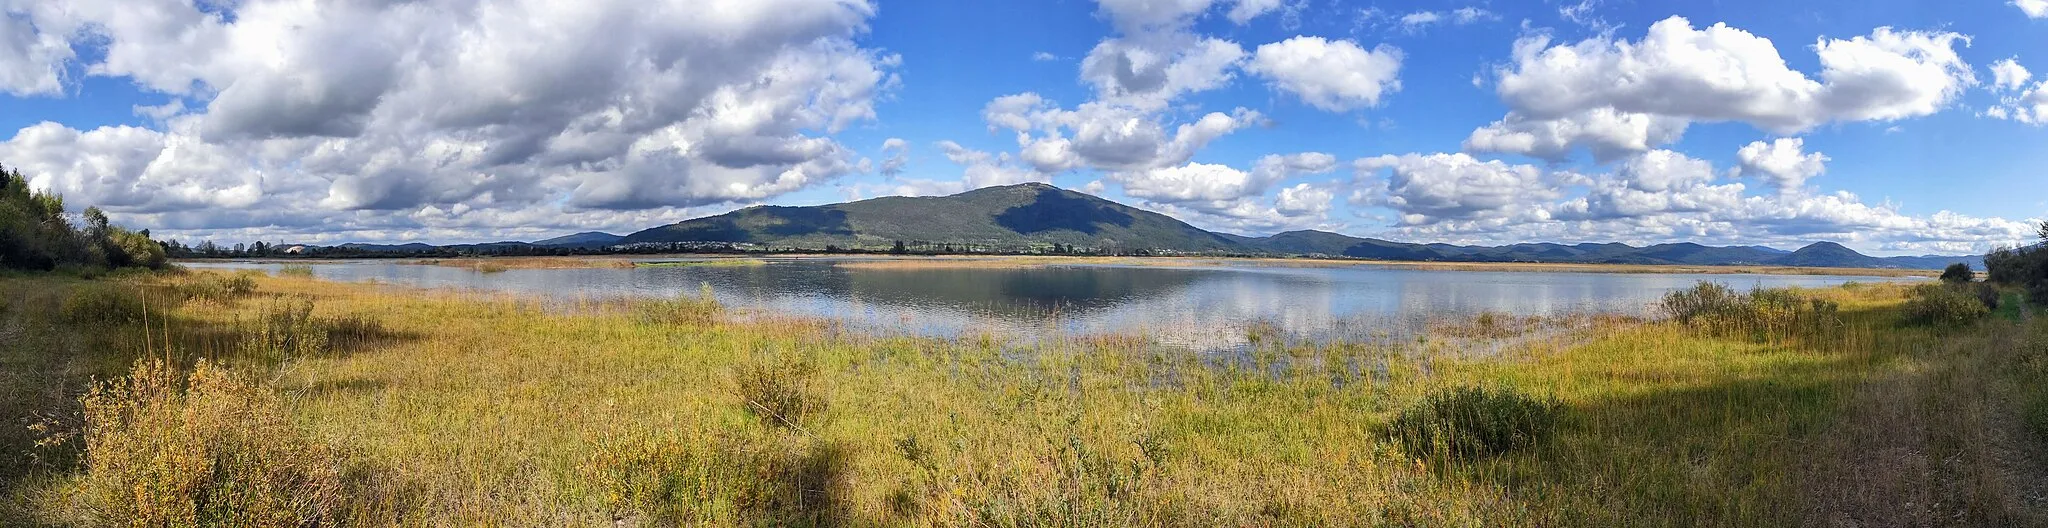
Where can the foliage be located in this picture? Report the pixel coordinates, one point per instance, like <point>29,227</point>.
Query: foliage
<point>683,310</point>
<point>285,329</point>
<point>1470,422</point>
<point>208,449</point>
<point>1946,305</point>
<point>106,303</point>
<point>1761,314</point>
<point>217,287</point>
<point>296,270</point>
<point>780,390</point>
<point>2025,267</point>
<point>34,234</point>
<point>723,480</point>
<point>1958,272</point>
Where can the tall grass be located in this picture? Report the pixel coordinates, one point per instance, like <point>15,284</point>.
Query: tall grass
<point>498,411</point>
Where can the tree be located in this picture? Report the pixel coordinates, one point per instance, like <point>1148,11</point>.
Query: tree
<point>899,249</point>
<point>1958,272</point>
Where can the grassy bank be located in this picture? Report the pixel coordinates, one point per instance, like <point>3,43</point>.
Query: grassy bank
<point>355,404</point>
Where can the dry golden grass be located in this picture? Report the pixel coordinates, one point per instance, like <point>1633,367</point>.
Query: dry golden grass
<point>493,410</point>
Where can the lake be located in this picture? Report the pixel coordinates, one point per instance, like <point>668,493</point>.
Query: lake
<point>1202,306</point>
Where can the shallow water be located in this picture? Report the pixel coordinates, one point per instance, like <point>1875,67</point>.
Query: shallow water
<point>1208,306</point>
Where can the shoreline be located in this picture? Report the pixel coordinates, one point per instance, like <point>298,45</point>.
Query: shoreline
<point>920,262</point>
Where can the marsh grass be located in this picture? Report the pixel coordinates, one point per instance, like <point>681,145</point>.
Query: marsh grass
<point>651,412</point>
<point>706,263</point>
<point>300,271</point>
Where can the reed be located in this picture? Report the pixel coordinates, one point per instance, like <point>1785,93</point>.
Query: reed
<point>406,407</point>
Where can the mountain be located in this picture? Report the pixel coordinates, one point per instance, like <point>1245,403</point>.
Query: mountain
<point>588,239</point>
<point>1032,216</point>
<point>1017,217</point>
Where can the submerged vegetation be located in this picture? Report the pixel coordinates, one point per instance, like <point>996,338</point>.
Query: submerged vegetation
<point>247,399</point>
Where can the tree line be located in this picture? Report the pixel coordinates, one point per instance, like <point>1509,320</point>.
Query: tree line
<point>2025,267</point>
<point>35,234</point>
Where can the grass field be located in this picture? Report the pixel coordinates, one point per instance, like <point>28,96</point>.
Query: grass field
<point>291,401</point>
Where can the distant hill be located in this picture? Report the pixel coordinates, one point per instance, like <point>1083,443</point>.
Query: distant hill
<point>589,239</point>
<point>1032,217</point>
<point>1019,217</point>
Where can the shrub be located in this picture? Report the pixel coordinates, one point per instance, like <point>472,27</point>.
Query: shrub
<point>1470,422</point>
<point>216,287</point>
<point>1944,305</point>
<point>296,270</point>
<point>285,329</point>
<point>106,303</point>
<point>1958,272</point>
<point>1761,314</point>
<point>208,449</point>
<point>684,310</point>
<point>779,390</point>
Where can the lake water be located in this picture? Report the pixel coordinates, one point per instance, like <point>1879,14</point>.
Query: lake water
<point>1206,306</point>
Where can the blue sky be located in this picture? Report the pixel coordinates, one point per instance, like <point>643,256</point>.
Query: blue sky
<point>1893,127</point>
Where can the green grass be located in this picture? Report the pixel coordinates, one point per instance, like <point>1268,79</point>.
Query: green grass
<point>430,409</point>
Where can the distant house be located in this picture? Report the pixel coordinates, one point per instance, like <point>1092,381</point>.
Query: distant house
<point>295,250</point>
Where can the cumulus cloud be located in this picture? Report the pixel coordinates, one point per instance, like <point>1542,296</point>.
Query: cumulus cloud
<point>1106,136</point>
<point>1150,74</point>
<point>1428,188</point>
<point>898,151</point>
<point>1653,197</point>
<point>465,107</point>
<point>1782,162</point>
<point>1718,73</point>
<point>1419,20</point>
<point>2033,8</point>
<point>1334,75</point>
<point>1607,133</point>
<point>2008,74</point>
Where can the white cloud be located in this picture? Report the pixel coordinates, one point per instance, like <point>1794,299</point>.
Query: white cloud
<point>1332,75</point>
<point>898,151</point>
<point>1246,10</point>
<point>1105,136</point>
<point>1419,20</point>
<point>2008,74</point>
<point>1782,162</point>
<point>282,109</point>
<point>1152,74</point>
<point>1720,73</point>
<point>1607,133</point>
<point>2033,8</point>
<point>1427,188</point>
<point>1044,57</point>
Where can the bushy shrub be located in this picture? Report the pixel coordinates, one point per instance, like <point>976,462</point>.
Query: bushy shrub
<point>1760,314</point>
<point>780,390</point>
<point>208,449</point>
<point>1958,272</point>
<point>683,310</point>
<point>1469,422</point>
<point>296,270</point>
<point>216,287</point>
<point>285,329</point>
<point>106,303</point>
<point>1944,305</point>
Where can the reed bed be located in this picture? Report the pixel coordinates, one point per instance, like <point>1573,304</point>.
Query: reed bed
<point>401,407</point>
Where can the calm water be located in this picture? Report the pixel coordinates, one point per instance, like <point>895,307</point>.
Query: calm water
<point>1208,306</point>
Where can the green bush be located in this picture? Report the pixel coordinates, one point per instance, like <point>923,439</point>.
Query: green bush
<point>1958,272</point>
<point>1760,314</point>
<point>296,270</point>
<point>216,287</point>
<point>1944,305</point>
<point>285,329</point>
<point>1469,422</point>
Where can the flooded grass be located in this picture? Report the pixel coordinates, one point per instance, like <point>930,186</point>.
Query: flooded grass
<point>411,407</point>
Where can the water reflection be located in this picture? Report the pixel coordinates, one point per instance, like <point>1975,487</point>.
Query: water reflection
<point>1203,307</point>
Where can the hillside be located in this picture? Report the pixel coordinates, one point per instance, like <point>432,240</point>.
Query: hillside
<point>1023,216</point>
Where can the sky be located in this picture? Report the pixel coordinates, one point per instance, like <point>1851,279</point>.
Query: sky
<point>1890,126</point>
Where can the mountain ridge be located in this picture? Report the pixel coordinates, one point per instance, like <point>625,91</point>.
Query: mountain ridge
<point>1041,218</point>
